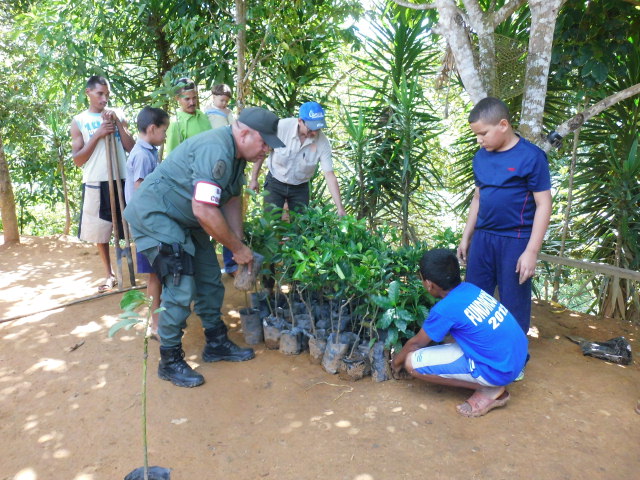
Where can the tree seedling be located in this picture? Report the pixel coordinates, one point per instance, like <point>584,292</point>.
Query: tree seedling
<point>130,303</point>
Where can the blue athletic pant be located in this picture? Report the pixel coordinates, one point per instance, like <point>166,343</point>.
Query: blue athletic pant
<point>492,261</point>
<point>230,264</point>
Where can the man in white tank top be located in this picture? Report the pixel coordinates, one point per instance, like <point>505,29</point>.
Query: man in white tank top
<point>88,132</point>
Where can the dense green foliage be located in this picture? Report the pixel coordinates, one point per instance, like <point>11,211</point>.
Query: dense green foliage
<point>397,116</point>
<point>334,260</point>
<point>591,64</point>
<point>392,125</point>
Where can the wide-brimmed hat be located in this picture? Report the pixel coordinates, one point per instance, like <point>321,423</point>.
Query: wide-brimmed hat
<point>264,122</point>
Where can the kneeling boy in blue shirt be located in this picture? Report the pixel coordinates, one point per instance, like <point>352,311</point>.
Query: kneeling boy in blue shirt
<point>490,348</point>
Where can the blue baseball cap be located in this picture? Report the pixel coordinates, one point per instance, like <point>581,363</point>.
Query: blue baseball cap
<point>313,115</point>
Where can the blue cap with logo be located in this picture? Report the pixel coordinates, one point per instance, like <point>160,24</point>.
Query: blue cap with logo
<point>313,115</point>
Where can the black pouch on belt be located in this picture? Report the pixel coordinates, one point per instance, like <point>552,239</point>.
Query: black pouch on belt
<point>172,260</point>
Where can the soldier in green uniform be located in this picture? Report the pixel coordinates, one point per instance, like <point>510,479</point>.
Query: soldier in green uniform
<point>194,194</point>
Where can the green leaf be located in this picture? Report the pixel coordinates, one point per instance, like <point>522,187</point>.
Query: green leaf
<point>632,163</point>
<point>405,316</point>
<point>380,301</point>
<point>298,274</point>
<point>600,72</point>
<point>387,319</point>
<point>394,292</point>
<point>132,300</point>
<point>339,272</point>
<point>129,315</point>
<point>401,324</point>
<point>392,337</point>
<point>586,69</point>
<point>127,323</point>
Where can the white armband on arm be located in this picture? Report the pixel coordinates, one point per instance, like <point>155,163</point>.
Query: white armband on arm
<point>206,192</point>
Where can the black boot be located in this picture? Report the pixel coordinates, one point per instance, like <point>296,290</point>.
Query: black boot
<point>173,368</point>
<point>219,347</point>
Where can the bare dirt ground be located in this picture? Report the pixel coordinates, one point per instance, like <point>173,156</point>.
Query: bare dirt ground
<point>73,414</point>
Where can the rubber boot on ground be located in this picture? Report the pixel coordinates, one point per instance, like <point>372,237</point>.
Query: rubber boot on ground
<point>174,369</point>
<point>220,348</point>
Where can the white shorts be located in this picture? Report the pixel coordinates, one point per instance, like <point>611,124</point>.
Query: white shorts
<point>95,217</point>
<point>446,361</point>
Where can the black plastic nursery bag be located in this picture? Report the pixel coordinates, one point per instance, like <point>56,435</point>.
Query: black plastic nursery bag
<point>616,350</point>
<point>155,473</point>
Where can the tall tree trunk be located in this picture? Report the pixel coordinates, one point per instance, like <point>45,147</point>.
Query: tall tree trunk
<point>567,215</point>
<point>7,202</point>
<point>163,58</point>
<point>484,28</point>
<point>451,26</point>
<point>543,23</point>
<point>613,300</point>
<point>163,62</point>
<point>241,49</point>
<point>65,191</point>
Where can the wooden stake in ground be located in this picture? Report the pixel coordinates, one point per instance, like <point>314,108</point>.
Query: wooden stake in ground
<point>125,225</point>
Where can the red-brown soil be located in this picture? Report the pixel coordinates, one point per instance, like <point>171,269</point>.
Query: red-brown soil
<point>74,414</point>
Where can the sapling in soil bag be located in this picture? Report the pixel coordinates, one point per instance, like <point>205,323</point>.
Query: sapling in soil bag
<point>245,278</point>
<point>154,473</point>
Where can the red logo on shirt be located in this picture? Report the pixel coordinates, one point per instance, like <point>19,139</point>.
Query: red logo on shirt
<point>511,169</point>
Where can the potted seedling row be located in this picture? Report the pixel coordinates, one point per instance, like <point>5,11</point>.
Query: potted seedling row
<point>326,277</point>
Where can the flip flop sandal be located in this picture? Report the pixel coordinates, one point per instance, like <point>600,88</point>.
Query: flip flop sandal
<point>481,405</point>
<point>109,284</point>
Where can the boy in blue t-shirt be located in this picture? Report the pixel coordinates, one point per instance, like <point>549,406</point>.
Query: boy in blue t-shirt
<point>143,159</point>
<point>510,210</point>
<point>490,348</point>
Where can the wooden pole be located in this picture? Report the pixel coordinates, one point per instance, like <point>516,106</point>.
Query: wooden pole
<point>73,302</point>
<point>601,268</point>
<point>125,225</point>
<point>114,213</point>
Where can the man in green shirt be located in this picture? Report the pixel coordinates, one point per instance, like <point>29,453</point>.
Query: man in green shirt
<point>194,194</point>
<point>188,121</point>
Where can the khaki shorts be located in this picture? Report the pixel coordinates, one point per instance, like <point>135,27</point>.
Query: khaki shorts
<point>95,217</point>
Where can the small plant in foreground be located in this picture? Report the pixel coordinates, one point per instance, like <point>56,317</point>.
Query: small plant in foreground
<point>130,303</point>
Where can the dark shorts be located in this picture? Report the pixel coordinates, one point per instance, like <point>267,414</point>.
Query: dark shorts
<point>296,196</point>
<point>143,264</point>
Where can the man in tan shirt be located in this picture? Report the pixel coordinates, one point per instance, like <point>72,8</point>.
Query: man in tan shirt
<point>291,167</point>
